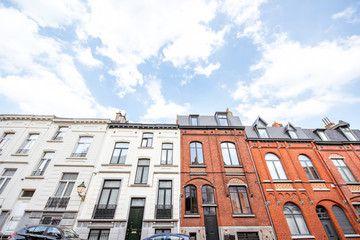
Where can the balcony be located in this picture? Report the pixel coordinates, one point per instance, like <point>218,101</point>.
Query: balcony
<point>57,202</point>
<point>78,155</point>
<point>104,211</point>
<point>37,173</point>
<point>163,211</point>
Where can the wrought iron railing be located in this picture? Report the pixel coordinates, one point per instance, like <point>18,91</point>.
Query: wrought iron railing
<point>104,211</point>
<point>163,211</point>
<point>57,202</point>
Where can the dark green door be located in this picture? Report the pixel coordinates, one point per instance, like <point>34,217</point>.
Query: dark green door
<point>134,226</point>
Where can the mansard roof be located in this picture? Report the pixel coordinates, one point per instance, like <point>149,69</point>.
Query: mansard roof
<point>208,121</point>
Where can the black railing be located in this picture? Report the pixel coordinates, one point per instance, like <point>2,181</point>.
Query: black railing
<point>104,211</point>
<point>163,211</point>
<point>37,173</point>
<point>78,155</point>
<point>57,202</point>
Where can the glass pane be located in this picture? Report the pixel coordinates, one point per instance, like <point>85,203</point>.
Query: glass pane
<point>145,175</point>
<point>235,202</point>
<point>149,143</point>
<point>9,172</point>
<point>343,220</point>
<point>170,156</point>
<point>168,196</point>
<point>137,202</point>
<point>263,133</point>
<point>200,158</point>
<point>163,156</point>
<point>161,197</point>
<point>138,175</point>
<point>48,155</point>
<point>292,225</point>
<point>314,173</point>
<point>115,156</point>
<point>144,162</point>
<point>85,139</point>
<point>69,176</point>
<point>245,203</point>
<point>104,196</point>
<point>122,145</point>
<point>193,156</point>
<point>272,170</point>
<point>123,156</point>
<point>234,157</point>
<point>165,184</point>
<point>112,184</point>
<point>94,234</point>
<point>69,189</point>
<point>60,189</point>
<point>350,177</point>
<point>113,196</point>
<point>167,146</point>
<point>280,170</point>
<point>301,224</point>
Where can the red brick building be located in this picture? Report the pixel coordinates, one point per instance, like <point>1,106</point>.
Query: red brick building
<point>302,193</point>
<point>220,195</point>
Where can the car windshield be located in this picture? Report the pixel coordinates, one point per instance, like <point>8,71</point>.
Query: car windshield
<point>69,233</point>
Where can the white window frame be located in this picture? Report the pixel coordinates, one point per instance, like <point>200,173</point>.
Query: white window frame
<point>344,170</point>
<point>167,154</point>
<point>5,139</point>
<point>82,147</point>
<point>27,144</point>
<point>348,133</point>
<point>5,179</point>
<point>42,165</point>
<point>276,165</point>
<point>67,187</point>
<point>59,135</point>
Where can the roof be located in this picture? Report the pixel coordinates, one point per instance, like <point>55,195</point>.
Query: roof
<point>208,121</point>
<point>334,135</point>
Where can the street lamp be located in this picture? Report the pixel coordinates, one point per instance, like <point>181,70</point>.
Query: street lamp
<point>81,190</point>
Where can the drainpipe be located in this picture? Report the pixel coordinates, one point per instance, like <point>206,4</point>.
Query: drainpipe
<point>262,192</point>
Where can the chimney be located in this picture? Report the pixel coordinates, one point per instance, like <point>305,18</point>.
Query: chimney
<point>276,124</point>
<point>120,117</point>
<point>328,123</point>
<point>229,113</point>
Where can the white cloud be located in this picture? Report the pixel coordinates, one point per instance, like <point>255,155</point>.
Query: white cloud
<point>52,13</point>
<point>85,57</point>
<point>161,109</point>
<point>348,14</point>
<point>207,70</point>
<point>293,81</point>
<point>37,75</point>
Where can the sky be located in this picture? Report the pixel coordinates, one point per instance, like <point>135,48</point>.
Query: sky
<point>286,61</point>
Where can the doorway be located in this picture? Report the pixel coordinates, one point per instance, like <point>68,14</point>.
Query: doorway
<point>211,224</point>
<point>134,226</point>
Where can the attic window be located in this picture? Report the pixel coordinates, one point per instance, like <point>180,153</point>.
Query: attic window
<point>263,133</point>
<point>323,135</point>
<point>222,119</point>
<point>293,134</point>
<point>194,120</point>
<point>348,133</point>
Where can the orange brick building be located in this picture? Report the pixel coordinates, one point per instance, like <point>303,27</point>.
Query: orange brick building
<point>220,196</point>
<point>303,192</point>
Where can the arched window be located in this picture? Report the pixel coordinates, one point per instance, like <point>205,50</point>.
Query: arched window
<point>208,194</point>
<point>343,169</point>
<point>196,153</point>
<point>191,206</point>
<point>275,167</point>
<point>229,154</point>
<point>295,220</point>
<point>308,167</point>
<point>343,220</point>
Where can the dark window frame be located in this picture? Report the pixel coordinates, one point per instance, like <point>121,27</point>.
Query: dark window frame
<point>311,175</point>
<point>273,163</point>
<point>208,197</point>
<point>122,155</point>
<point>290,206</point>
<point>142,167</point>
<point>191,201</point>
<point>198,147</point>
<point>59,135</point>
<point>226,148</point>
<point>147,139</point>
<point>167,154</point>
<point>81,146</point>
<point>239,192</point>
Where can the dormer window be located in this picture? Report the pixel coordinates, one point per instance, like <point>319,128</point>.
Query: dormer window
<point>194,120</point>
<point>291,130</point>
<point>222,120</point>
<point>293,134</point>
<point>348,133</point>
<point>323,135</point>
<point>263,133</point>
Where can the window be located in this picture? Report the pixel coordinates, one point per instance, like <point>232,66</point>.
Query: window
<point>99,234</point>
<point>222,118</point>
<point>164,202</point>
<point>27,144</point>
<point>5,178</point>
<point>248,235</point>
<point>194,121</point>
<point>82,147</point>
<point>191,206</point>
<point>50,221</point>
<point>292,134</point>
<point>44,162</point>
<point>275,167</point>
<point>192,235</point>
<point>357,208</point>
<point>105,209</point>
<point>66,184</point>
<point>6,137</point>
<point>208,194</point>
<point>263,133</point>
<point>196,153</point>
<point>119,153</point>
<point>295,220</point>
<point>167,154</point>
<point>344,170</point>
<point>158,231</point>
<point>27,193</point>
<point>147,140</point>
<point>308,167</point>
<point>142,171</point>
<point>322,135</point>
<point>229,153</point>
<point>343,220</point>
<point>60,133</point>
<point>239,200</point>
<point>348,133</point>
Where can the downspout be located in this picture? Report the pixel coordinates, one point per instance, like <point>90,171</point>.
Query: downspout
<point>262,192</point>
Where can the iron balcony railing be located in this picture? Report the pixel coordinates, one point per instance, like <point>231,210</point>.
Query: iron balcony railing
<point>57,202</point>
<point>163,211</point>
<point>104,211</point>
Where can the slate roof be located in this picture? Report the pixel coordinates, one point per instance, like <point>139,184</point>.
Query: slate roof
<point>276,133</point>
<point>335,135</point>
<point>207,121</point>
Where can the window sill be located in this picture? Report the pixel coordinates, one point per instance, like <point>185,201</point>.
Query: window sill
<point>282,181</point>
<point>20,155</point>
<point>24,198</point>
<point>353,183</point>
<point>197,174</point>
<point>317,181</point>
<point>352,235</point>
<point>303,237</point>
<point>166,165</point>
<point>77,158</point>
<point>34,177</point>
<point>55,141</point>
<point>243,215</point>
<point>117,165</point>
<point>233,166</point>
<point>192,216</point>
<point>321,190</point>
<point>197,166</point>
<point>145,147</point>
<point>209,205</point>
<point>139,185</point>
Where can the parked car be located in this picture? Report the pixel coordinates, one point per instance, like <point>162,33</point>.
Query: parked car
<point>168,236</point>
<point>45,232</point>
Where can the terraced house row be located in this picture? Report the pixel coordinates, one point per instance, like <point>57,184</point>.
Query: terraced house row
<point>209,177</point>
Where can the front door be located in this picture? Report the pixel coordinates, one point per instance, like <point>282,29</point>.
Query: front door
<point>134,226</point>
<point>327,224</point>
<point>211,225</point>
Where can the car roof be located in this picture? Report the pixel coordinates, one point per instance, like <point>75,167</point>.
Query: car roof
<point>169,234</point>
